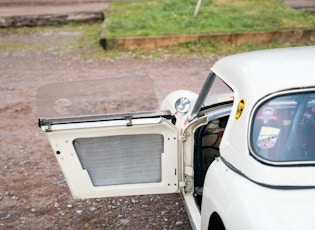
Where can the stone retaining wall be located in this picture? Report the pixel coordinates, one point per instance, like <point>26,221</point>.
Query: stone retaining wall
<point>132,43</point>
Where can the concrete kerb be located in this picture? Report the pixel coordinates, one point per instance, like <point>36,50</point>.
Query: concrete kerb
<point>154,42</point>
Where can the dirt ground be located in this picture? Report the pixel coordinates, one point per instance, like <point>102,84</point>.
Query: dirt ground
<point>33,192</point>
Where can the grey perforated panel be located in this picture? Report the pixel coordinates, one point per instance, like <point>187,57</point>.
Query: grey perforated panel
<point>125,159</point>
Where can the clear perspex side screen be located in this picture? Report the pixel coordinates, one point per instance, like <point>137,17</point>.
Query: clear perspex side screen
<point>110,96</point>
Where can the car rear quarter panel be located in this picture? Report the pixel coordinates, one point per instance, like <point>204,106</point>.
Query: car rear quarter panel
<point>242,204</point>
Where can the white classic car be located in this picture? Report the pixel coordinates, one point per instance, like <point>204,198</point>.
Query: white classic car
<point>241,153</point>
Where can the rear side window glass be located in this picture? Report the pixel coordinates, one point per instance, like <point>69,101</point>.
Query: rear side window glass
<point>283,129</point>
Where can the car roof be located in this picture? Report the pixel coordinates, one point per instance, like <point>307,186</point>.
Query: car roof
<point>259,73</point>
<point>253,76</point>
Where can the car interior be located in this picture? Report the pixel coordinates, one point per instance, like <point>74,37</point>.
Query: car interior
<point>206,149</point>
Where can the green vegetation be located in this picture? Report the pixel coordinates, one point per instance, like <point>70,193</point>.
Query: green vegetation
<point>170,17</point>
<point>83,39</point>
<point>12,45</point>
<point>70,37</point>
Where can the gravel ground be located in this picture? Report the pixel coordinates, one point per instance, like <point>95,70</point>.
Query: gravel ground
<point>33,192</point>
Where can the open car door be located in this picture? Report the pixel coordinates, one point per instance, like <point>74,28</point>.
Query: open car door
<point>110,136</point>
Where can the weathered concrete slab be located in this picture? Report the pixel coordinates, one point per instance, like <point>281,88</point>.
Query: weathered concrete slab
<point>301,4</point>
<point>50,19</point>
<point>38,14</point>
<point>47,2</point>
<point>25,10</point>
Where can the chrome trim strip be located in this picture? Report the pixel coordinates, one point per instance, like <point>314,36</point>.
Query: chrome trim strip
<point>90,118</point>
<point>202,95</point>
<point>99,124</point>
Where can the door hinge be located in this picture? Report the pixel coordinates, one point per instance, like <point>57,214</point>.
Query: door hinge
<point>128,120</point>
<point>183,137</point>
<point>44,125</point>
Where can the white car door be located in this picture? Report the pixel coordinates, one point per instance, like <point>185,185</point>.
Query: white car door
<point>110,136</point>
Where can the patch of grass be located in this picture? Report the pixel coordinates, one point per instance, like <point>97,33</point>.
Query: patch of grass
<point>67,37</point>
<point>170,17</point>
<point>12,45</point>
<point>86,44</point>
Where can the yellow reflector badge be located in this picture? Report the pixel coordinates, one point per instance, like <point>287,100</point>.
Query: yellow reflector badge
<point>240,109</point>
